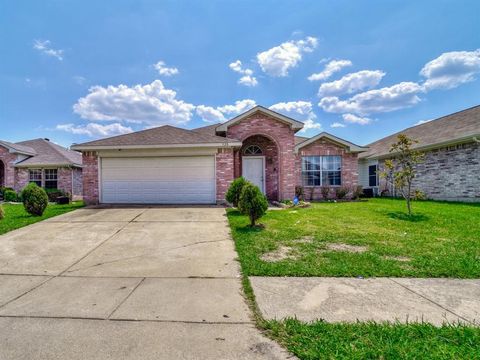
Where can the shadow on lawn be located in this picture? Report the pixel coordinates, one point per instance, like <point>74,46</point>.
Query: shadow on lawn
<point>398,215</point>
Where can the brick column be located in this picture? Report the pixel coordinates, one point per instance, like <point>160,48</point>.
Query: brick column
<point>90,177</point>
<point>224,172</point>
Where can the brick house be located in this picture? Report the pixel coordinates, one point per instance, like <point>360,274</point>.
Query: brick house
<point>451,166</point>
<point>174,165</point>
<point>49,165</point>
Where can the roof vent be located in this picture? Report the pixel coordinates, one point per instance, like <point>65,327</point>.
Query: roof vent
<point>46,139</point>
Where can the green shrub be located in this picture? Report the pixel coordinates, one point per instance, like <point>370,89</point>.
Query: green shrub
<point>53,194</point>
<point>2,212</point>
<point>325,191</point>
<point>357,192</point>
<point>341,192</point>
<point>252,203</point>
<point>35,199</point>
<point>235,190</point>
<point>10,195</point>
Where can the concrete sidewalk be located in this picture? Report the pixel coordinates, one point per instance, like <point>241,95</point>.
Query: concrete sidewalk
<point>378,299</point>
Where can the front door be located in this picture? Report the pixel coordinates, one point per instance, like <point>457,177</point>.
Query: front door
<point>253,170</point>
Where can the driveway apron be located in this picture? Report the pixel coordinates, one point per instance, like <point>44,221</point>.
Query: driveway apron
<point>126,283</point>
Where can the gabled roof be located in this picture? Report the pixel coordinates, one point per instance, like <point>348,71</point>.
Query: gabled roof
<point>17,148</point>
<point>294,124</point>
<point>159,137</point>
<point>347,144</point>
<point>48,153</point>
<point>455,128</point>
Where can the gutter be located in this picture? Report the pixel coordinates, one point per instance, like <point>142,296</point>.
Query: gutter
<point>166,146</point>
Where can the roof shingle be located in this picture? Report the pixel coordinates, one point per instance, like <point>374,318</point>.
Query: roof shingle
<point>449,128</point>
<point>48,153</point>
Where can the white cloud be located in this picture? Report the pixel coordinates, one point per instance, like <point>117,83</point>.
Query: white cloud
<point>247,79</point>
<point>451,69</point>
<point>93,129</point>
<point>351,83</point>
<point>299,110</point>
<point>422,122</point>
<point>164,70</point>
<point>219,113</point>
<point>354,119</point>
<point>44,47</point>
<point>278,60</point>
<point>309,125</point>
<point>398,96</point>
<point>151,104</point>
<point>337,125</point>
<point>331,68</point>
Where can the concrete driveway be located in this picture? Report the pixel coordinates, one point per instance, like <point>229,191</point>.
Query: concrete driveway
<point>126,283</point>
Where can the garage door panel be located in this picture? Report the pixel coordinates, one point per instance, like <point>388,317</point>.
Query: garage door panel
<point>159,174</point>
<point>161,180</point>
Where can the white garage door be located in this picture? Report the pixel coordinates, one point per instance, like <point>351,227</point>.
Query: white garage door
<point>158,180</point>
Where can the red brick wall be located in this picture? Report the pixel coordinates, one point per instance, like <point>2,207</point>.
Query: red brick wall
<point>64,176</point>
<point>8,160</point>
<point>90,177</point>
<point>282,135</point>
<point>22,178</point>
<point>326,147</point>
<point>224,170</point>
<point>270,151</point>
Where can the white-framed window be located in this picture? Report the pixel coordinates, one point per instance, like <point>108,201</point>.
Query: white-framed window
<point>253,150</point>
<point>322,170</point>
<point>35,176</point>
<point>51,179</point>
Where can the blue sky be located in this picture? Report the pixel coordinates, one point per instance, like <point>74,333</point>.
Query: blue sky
<point>74,71</point>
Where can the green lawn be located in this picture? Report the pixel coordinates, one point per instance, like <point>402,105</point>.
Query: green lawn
<point>360,341</point>
<point>16,216</point>
<point>441,240</point>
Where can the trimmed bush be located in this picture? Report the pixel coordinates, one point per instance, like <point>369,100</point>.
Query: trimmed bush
<point>341,192</point>
<point>2,212</point>
<point>252,203</point>
<point>10,195</point>
<point>53,194</point>
<point>357,192</point>
<point>235,190</point>
<point>35,199</point>
<point>325,191</point>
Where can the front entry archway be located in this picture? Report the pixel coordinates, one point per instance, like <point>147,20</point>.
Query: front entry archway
<point>259,163</point>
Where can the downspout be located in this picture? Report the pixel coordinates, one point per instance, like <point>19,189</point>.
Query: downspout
<point>476,140</point>
<point>71,170</point>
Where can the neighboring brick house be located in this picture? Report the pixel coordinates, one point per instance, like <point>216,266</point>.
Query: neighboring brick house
<point>173,165</point>
<point>43,162</point>
<point>451,166</point>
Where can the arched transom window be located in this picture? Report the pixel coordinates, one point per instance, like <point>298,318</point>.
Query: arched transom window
<point>253,150</point>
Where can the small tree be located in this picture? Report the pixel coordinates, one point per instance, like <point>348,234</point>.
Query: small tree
<point>235,190</point>
<point>35,199</point>
<point>252,203</point>
<point>400,169</point>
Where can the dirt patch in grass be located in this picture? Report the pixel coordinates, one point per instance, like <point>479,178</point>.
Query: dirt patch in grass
<point>346,248</point>
<point>304,240</point>
<point>282,253</point>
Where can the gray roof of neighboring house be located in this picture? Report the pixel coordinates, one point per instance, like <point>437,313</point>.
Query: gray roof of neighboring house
<point>458,127</point>
<point>17,148</point>
<point>163,135</point>
<point>49,154</point>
